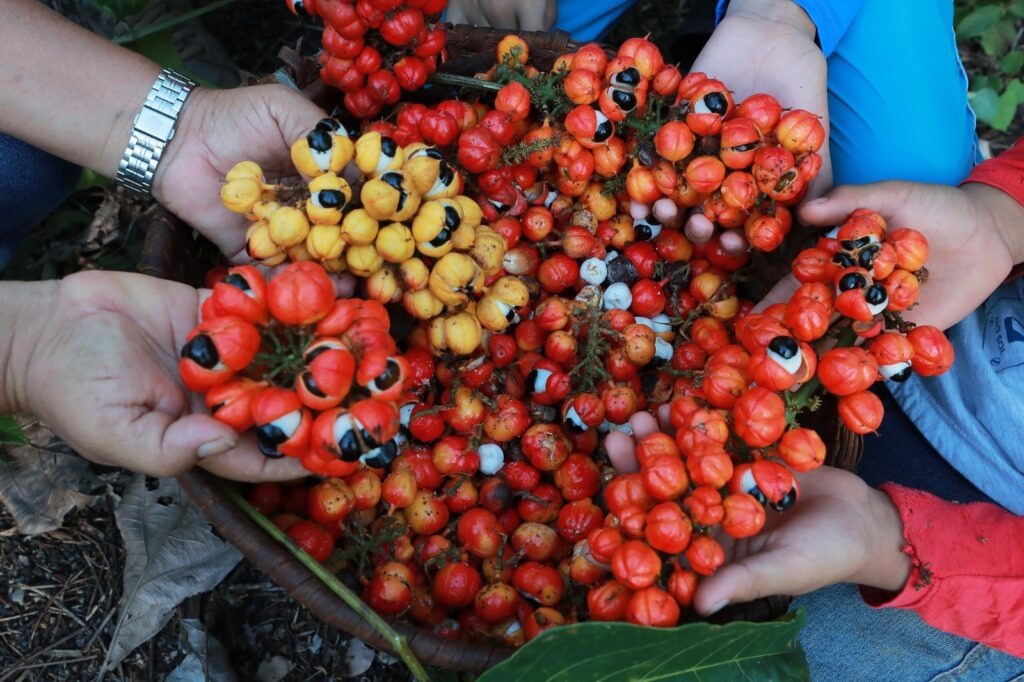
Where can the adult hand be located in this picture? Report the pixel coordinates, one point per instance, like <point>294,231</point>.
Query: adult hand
<point>218,129</point>
<point>524,15</point>
<point>96,358</point>
<point>973,232</point>
<point>768,46</point>
<point>840,530</point>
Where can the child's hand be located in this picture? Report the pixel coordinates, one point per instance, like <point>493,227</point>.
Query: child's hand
<point>524,15</point>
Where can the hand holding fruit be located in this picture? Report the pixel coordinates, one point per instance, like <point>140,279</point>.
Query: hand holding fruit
<point>216,129</point>
<point>96,357</point>
<point>526,15</point>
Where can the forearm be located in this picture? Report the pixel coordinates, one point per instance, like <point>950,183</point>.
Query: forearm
<point>967,573</point>
<point>23,308</point>
<point>66,90</point>
<point>997,186</point>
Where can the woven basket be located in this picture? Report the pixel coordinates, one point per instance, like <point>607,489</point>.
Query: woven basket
<point>171,252</point>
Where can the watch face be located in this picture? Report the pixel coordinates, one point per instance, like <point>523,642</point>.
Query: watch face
<point>155,124</point>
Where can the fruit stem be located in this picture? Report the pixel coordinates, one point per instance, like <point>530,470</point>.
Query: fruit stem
<point>395,640</point>
<point>463,81</point>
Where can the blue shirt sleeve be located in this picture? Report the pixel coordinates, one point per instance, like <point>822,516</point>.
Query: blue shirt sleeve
<point>830,17</point>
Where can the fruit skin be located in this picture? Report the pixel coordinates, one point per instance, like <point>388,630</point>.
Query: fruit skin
<point>312,538</point>
<point>301,294</point>
<point>456,585</point>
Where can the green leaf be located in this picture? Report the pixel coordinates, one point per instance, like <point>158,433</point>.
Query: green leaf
<point>978,21</point>
<point>1017,88</point>
<point>1012,62</point>
<point>985,103</point>
<point>698,651</point>
<point>980,82</point>
<point>121,8</point>
<point>998,38</point>
<point>1016,8</point>
<point>1008,102</point>
<point>10,432</point>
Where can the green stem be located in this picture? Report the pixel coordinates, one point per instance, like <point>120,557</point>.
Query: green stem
<point>395,640</point>
<point>171,22</point>
<point>463,81</point>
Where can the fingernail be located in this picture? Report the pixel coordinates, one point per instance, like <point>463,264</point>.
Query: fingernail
<point>216,447</point>
<point>717,607</point>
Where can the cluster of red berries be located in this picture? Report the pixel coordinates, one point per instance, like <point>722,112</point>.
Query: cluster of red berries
<point>375,49</point>
<point>316,378</point>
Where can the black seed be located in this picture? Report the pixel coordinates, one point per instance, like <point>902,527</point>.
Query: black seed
<point>388,146</point>
<point>624,100</point>
<point>866,258</point>
<point>511,314</point>
<point>784,346</point>
<point>217,407</point>
<point>237,281</point>
<point>852,280</point>
<point>331,198</point>
<point>402,197</point>
<point>643,231</point>
<point>748,147</point>
<point>391,374</point>
<point>716,102</point>
<point>299,8</point>
<point>876,294</point>
<point>310,384</point>
<point>393,179</point>
<point>854,244</point>
<point>451,218</point>
<point>312,355</point>
<point>319,140</point>
<point>442,238</point>
<point>268,437</point>
<point>621,269</point>
<point>902,375</point>
<point>328,124</point>
<point>575,426</point>
<point>201,351</point>
<point>382,456</point>
<point>348,446</point>
<point>446,174</point>
<point>432,153</point>
<point>604,130</point>
<point>786,502</point>
<point>844,260</point>
<point>756,493</point>
<point>630,77</point>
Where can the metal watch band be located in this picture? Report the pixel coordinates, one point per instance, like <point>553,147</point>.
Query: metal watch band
<point>152,129</point>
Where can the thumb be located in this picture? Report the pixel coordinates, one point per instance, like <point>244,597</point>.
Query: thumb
<point>883,197</point>
<point>759,575</point>
<point>295,115</point>
<point>162,445</point>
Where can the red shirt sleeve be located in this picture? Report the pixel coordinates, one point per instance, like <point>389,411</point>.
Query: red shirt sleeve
<point>967,568</point>
<point>1005,172</point>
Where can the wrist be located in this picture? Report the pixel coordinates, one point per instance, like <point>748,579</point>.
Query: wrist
<point>785,12</point>
<point>189,127</point>
<point>1000,213</point>
<point>886,566</point>
<point>24,310</point>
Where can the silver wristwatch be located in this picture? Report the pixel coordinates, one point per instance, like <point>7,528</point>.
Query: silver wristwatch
<point>152,129</point>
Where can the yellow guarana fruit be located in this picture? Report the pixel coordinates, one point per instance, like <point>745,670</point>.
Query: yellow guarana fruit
<point>436,337</point>
<point>261,247</point>
<point>390,197</point>
<point>383,286</point>
<point>489,249</point>
<point>299,253</point>
<point>471,213</point>
<point>447,185</point>
<point>326,149</point>
<point>359,228</point>
<point>453,278</point>
<point>241,194</point>
<point>462,333</point>
<point>434,225</point>
<point>394,243</point>
<point>493,314</point>
<point>511,290</point>
<point>245,169</point>
<point>376,153</point>
<point>328,197</point>
<point>288,226</point>
<point>363,261</point>
<point>324,242</point>
<point>262,210</point>
<point>422,304</point>
<point>414,274</point>
<point>335,265</point>
<point>422,166</point>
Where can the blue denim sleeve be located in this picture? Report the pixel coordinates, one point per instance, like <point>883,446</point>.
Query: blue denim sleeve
<point>830,17</point>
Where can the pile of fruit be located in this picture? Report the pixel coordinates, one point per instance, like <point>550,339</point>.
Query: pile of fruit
<point>527,286</point>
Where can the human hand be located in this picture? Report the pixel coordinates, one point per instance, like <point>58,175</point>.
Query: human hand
<point>96,358</point>
<point>840,530</point>
<point>973,232</point>
<point>524,15</point>
<point>767,46</point>
<point>218,129</point>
